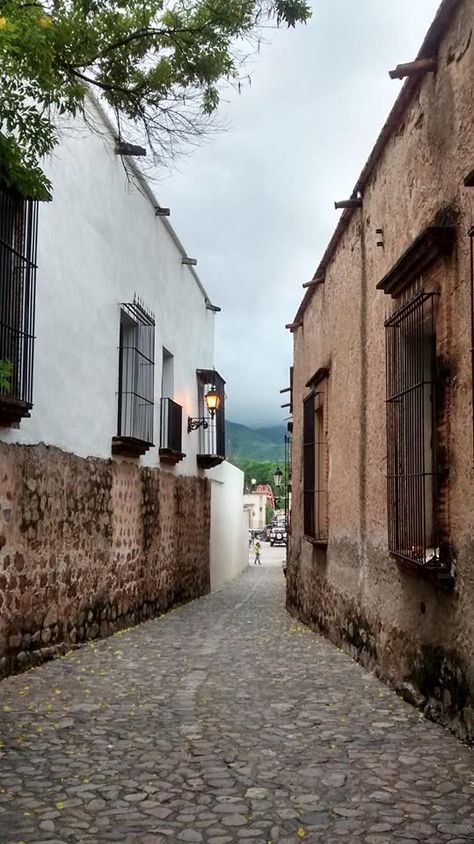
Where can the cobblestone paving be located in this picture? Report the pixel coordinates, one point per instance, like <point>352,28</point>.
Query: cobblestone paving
<point>224,721</point>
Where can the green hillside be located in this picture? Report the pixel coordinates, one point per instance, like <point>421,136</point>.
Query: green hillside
<point>255,443</point>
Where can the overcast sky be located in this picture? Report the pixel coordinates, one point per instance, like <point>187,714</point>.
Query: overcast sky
<point>256,204</point>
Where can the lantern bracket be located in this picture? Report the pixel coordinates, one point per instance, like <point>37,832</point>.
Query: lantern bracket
<point>194,423</point>
<point>213,402</point>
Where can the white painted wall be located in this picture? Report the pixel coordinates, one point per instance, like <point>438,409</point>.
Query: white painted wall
<point>99,243</point>
<point>229,532</point>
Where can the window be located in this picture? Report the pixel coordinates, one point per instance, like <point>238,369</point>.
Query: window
<point>315,462</point>
<point>411,430</point>
<point>18,243</point>
<point>211,439</point>
<point>167,374</point>
<point>171,415</point>
<point>136,380</point>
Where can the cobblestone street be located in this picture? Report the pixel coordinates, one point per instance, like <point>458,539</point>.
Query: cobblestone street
<point>224,721</point>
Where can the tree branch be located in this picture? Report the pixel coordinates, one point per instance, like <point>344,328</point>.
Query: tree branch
<point>137,35</point>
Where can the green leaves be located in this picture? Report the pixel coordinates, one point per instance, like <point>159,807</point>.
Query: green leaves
<point>6,374</point>
<point>159,65</point>
<point>292,12</point>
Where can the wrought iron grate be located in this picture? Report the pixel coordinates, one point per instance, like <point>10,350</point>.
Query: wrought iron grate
<point>171,426</point>
<point>18,248</point>
<point>136,373</point>
<point>411,431</point>
<point>212,438</point>
<point>315,469</point>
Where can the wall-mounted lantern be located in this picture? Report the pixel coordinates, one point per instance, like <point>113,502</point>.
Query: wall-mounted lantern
<point>213,403</point>
<point>277,477</point>
<point>129,150</point>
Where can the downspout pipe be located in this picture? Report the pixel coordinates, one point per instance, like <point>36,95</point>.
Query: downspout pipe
<point>363,389</point>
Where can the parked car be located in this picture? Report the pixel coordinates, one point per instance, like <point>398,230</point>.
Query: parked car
<point>265,533</point>
<point>278,536</point>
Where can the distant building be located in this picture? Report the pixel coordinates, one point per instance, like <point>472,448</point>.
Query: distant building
<point>382,528</point>
<point>265,489</point>
<point>255,509</point>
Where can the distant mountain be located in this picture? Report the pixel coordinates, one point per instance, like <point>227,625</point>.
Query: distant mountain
<point>255,443</point>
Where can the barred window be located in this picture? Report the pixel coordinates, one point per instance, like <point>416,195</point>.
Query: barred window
<point>411,430</point>
<point>136,380</point>
<point>315,464</point>
<point>171,414</point>
<point>18,245</point>
<point>211,448</point>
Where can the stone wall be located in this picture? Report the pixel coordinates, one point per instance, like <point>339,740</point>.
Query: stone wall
<point>410,630</point>
<point>420,655</point>
<point>88,546</point>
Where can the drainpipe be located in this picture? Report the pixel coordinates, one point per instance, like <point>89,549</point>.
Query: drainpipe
<point>363,391</point>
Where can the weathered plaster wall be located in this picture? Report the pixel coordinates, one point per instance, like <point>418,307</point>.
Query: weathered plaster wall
<point>416,635</point>
<point>88,546</point>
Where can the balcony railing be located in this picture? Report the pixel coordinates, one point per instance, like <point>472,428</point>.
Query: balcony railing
<point>171,449</point>
<point>211,439</point>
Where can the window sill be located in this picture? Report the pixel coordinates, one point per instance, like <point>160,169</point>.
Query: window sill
<point>208,461</point>
<point>168,455</point>
<point>12,411</point>
<point>129,446</point>
<point>321,543</point>
<point>433,574</point>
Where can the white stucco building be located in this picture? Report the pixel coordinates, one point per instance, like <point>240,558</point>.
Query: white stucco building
<point>101,248</point>
<point>123,349</point>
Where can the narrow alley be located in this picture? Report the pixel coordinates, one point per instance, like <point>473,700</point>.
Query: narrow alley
<point>224,721</point>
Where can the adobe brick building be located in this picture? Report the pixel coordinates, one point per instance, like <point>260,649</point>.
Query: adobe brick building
<point>382,545</point>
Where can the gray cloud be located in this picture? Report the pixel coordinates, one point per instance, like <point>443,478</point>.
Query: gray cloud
<point>256,204</point>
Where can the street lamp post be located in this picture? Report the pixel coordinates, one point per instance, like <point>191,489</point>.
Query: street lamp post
<point>277,479</point>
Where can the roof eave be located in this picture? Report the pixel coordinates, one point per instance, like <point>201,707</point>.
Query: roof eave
<point>429,47</point>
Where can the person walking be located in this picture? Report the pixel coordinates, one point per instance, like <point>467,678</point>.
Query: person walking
<point>257,561</point>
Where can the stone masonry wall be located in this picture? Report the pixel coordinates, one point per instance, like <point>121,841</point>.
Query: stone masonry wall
<point>88,546</point>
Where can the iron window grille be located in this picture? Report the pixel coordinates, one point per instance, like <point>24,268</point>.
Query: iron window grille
<point>171,426</point>
<point>315,466</point>
<point>288,450</point>
<point>211,439</point>
<point>18,251</point>
<point>136,379</point>
<point>412,480</point>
